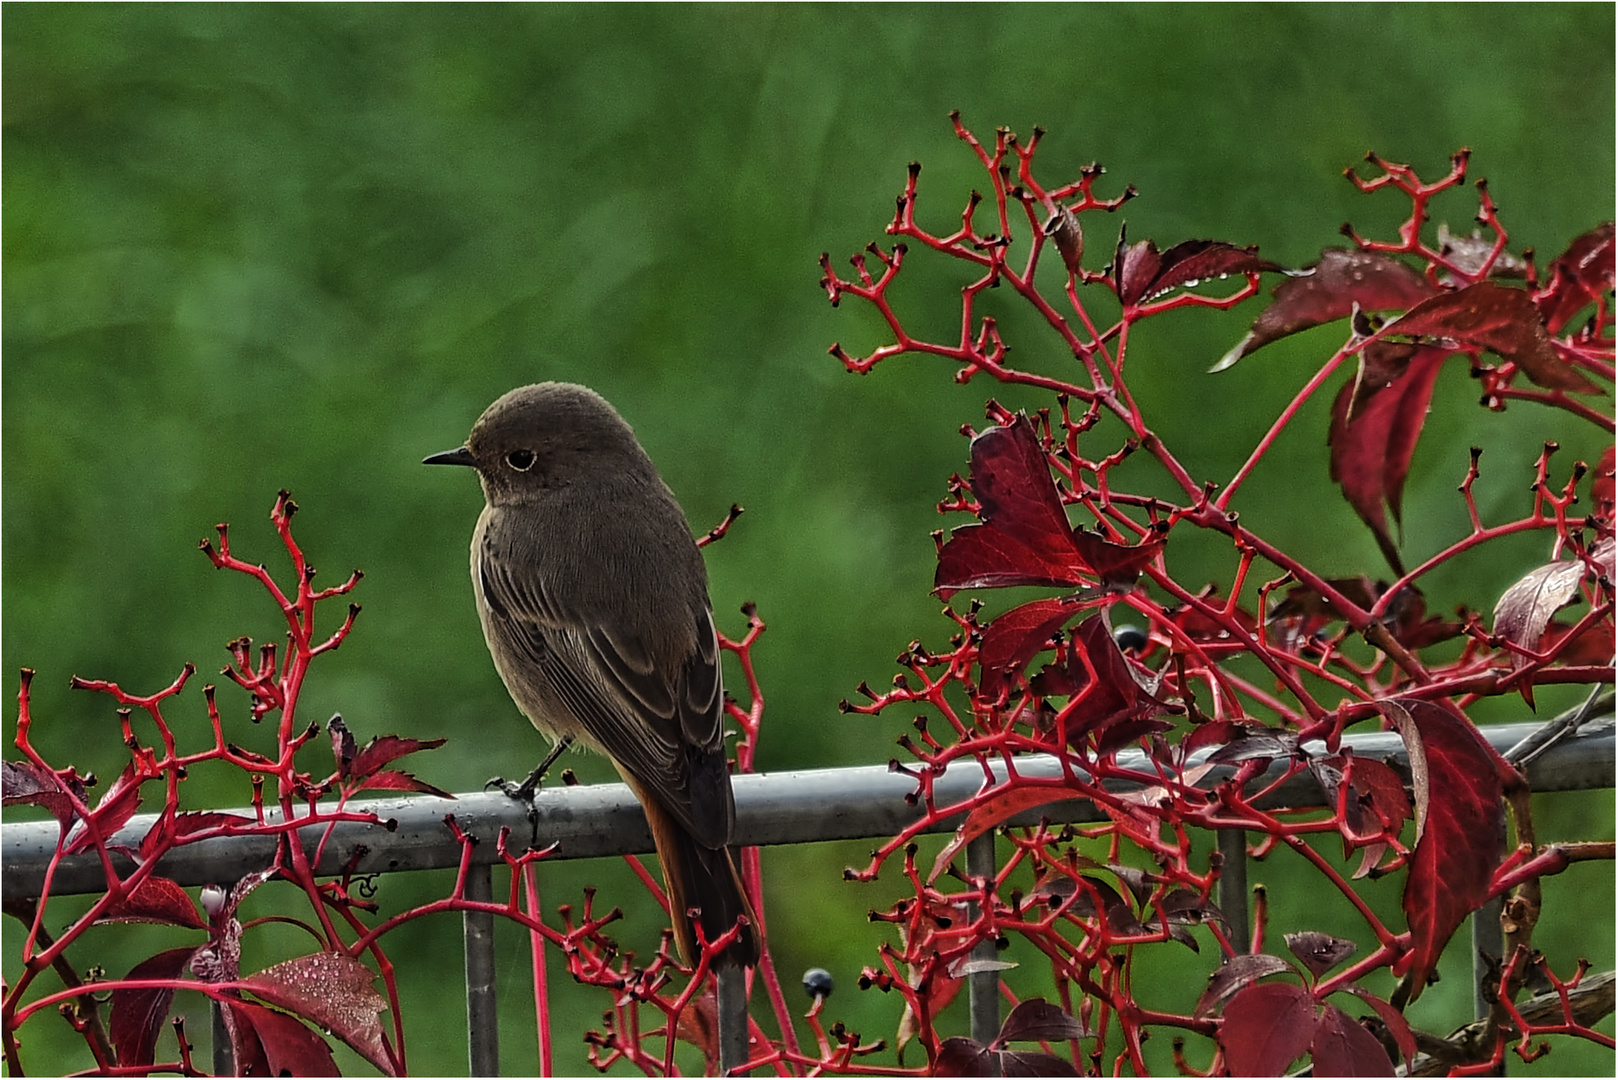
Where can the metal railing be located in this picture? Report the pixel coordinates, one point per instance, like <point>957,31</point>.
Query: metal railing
<point>792,807</point>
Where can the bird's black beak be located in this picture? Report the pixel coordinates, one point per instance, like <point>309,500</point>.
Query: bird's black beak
<point>458,456</point>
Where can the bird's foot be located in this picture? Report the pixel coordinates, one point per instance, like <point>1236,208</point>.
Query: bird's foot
<point>525,791</point>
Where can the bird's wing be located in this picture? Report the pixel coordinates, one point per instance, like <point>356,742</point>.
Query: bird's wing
<point>665,728</point>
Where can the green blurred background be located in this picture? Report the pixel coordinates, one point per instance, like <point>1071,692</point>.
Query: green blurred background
<point>253,247</point>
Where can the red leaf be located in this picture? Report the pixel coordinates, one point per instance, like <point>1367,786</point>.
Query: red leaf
<point>1118,565</point>
<point>1025,538</point>
<point>284,1045</point>
<point>1142,274</point>
<point>984,557</point>
<point>1375,423</point>
<point>1119,691</point>
<point>1577,278</point>
<point>167,832</point>
<point>1460,828</point>
<point>1403,1036</point>
<point>1343,1048</point>
<point>1036,1020</point>
<point>959,1056</point>
<point>1237,972</point>
<point>1266,1028</point>
<point>1319,952</point>
<point>27,783</point>
<point>394,780</point>
<point>332,991</point>
<point>1011,480</point>
<point>114,810</point>
<point>385,748</point>
<point>156,900</point>
<point>1014,638</point>
<point>138,1015</point>
<point>1500,319</point>
<point>1330,290</point>
<point>1032,1063</point>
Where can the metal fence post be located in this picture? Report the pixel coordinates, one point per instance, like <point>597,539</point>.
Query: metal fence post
<point>482,1019</point>
<point>1233,888</point>
<point>732,1007</point>
<point>983,986</point>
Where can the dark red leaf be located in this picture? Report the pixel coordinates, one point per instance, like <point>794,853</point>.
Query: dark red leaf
<point>960,1056</point>
<point>156,900</point>
<point>1343,1048</point>
<point>1014,638</point>
<point>1375,803</point>
<point>1033,1063</point>
<point>1593,646</point>
<point>1211,733</point>
<point>167,832</point>
<point>342,745</point>
<point>394,780</point>
<point>1134,268</point>
<point>1577,278</point>
<point>245,1045</point>
<point>1375,423</point>
<point>1118,565</point>
<point>1185,907</point>
<point>138,1015</point>
<point>1025,538</point>
<point>984,557</point>
<point>1011,480</point>
<point>26,783</point>
<point>1235,973</point>
<point>1266,1028</point>
<point>1460,828</point>
<point>1500,319</point>
<point>288,1047</point>
<point>1330,290</point>
<point>332,991</point>
<point>1403,1036</point>
<point>1142,274</point>
<point>1063,227</point>
<point>1319,952</point>
<point>385,748</point>
<point>1119,690</point>
<point>112,813</point>
<point>1191,262</point>
<point>1036,1020</point>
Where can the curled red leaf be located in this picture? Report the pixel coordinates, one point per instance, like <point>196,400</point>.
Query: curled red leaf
<point>156,900</point>
<point>1141,273</point>
<point>1460,828</point>
<point>1013,639</point>
<point>1578,277</point>
<point>1375,422</point>
<point>1500,319</point>
<point>1330,290</point>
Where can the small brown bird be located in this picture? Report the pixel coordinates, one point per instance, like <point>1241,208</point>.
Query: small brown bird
<point>594,603</point>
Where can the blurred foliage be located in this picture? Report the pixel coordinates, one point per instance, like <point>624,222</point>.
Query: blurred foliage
<point>254,247</point>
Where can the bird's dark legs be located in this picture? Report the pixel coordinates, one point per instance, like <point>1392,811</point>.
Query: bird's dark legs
<point>524,792</point>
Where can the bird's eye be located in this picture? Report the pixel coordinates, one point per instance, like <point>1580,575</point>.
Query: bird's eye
<point>521,460</point>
